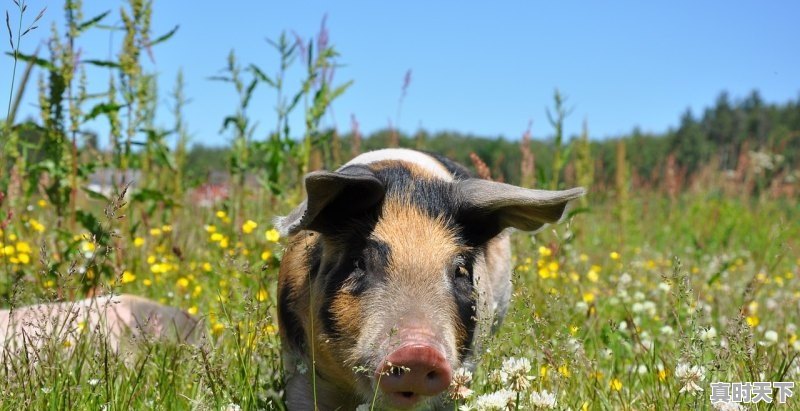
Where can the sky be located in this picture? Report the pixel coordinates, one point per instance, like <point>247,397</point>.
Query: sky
<point>485,68</point>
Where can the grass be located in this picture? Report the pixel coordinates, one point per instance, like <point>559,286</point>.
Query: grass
<point>605,314</point>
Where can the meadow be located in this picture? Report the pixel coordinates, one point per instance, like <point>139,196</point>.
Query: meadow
<point>644,296</point>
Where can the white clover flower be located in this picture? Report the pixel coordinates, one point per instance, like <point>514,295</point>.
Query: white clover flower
<point>708,334</point>
<point>496,401</point>
<point>625,279</point>
<point>544,399</point>
<point>514,372</point>
<point>689,377</point>
<point>232,407</point>
<point>667,330</point>
<point>93,381</point>
<point>459,386</point>
<point>727,406</point>
<point>664,286</point>
<point>770,338</point>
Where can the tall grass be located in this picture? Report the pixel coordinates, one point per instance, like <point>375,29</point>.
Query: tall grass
<point>609,311</point>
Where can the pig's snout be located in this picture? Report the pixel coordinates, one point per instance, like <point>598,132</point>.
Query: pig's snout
<point>413,371</point>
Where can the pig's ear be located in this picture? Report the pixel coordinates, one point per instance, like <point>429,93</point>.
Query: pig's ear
<point>332,196</point>
<point>493,206</point>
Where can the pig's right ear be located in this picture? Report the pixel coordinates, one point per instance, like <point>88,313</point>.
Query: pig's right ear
<point>333,196</point>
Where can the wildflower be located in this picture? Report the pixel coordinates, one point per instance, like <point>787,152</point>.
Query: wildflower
<point>690,376</point>
<point>364,407</point>
<point>614,255</point>
<point>216,237</point>
<point>594,274</point>
<point>24,258</point>
<point>249,226</point>
<point>727,406</point>
<point>93,382</point>
<point>588,297</point>
<point>266,255</point>
<point>564,371</point>
<point>192,310</point>
<point>262,295</point>
<point>182,283</point>
<point>752,321</point>
<point>232,406</point>
<point>496,401</point>
<point>545,251</point>
<point>138,242</point>
<point>41,203</point>
<point>615,384</point>
<point>167,228</point>
<point>24,247</point>
<point>155,232</point>
<point>770,338</point>
<point>666,330</point>
<point>544,400</point>
<point>36,225</point>
<point>128,277</point>
<point>708,334</point>
<point>147,282</point>
<point>515,373</point>
<point>459,386</point>
<point>217,328</point>
<point>221,214</point>
<point>272,235</point>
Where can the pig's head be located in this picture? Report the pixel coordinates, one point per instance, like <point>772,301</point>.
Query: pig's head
<point>387,276</point>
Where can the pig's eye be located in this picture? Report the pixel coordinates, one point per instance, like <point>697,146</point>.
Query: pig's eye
<point>462,272</point>
<point>358,264</point>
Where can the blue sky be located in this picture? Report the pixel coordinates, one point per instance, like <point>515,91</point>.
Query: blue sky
<point>486,68</point>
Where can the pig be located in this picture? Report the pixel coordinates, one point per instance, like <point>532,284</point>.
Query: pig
<point>117,319</point>
<point>397,268</point>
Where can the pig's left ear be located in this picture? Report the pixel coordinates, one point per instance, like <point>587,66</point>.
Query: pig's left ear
<point>495,206</point>
<point>333,196</point>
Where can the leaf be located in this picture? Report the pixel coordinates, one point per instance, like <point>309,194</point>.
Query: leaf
<point>95,194</point>
<point>261,75</point>
<point>91,22</point>
<point>102,108</point>
<point>102,63</point>
<point>33,59</point>
<point>163,38</point>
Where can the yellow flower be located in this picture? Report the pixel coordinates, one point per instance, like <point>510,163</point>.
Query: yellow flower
<point>273,235</point>
<point>594,274</point>
<point>249,226</point>
<point>224,242</point>
<point>147,282</point>
<point>543,372</point>
<point>573,330</point>
<point>182,283</point>
<point>545,251</point>
<point>752,321</point>
<point>41,203</point>
<point>221,214</point>
<point>49,284</point>
<point>553,266</point>
<point>583,257</point>
<point>151,259</point>
<point>662,375</point>
<point>616,384</point>
<point>210,228</point>
<point>217,237</point>
<point>35,225</point>
<point>217,328</point>
<point>128,277</point>
<point>192,310</point>
<point>24,258</point>
<point>614,256</point>
<point>23,247</point>
<point>155,232</point>
<point>8,250</point>
<point>166,228</point>
<point>564,371</point>
<point>262,295</point>
<point>88,247</point>
<point>206,267</point>
<point>588,297</point>
<point>138,242</point>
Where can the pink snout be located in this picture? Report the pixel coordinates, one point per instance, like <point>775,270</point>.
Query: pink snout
<point>413,371</point>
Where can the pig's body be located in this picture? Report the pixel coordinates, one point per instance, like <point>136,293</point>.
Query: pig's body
<point>398,267</point>
<point>117,320</point>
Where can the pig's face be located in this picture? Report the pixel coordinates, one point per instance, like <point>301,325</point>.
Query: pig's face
<point>390,281</point>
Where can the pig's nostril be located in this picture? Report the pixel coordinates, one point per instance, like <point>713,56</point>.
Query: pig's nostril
<point>407,394</point>
<point>432,375</point>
